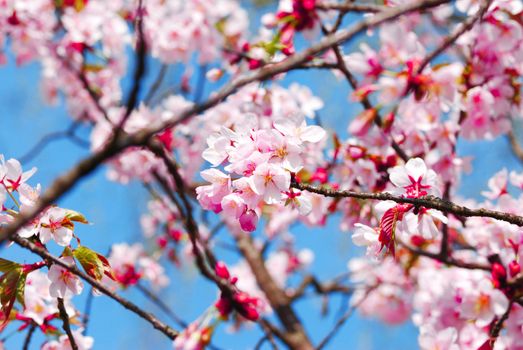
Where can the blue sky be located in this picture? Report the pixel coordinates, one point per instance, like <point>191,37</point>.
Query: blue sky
<point>114,211</point>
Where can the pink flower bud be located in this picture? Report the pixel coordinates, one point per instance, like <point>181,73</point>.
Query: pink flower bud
<point>499,274</point>
<point>221,270</point>
<point>249,221</point>
<point>417,240</point>
<point>514,268</point>
<point>250,313</point>
<point>176,235</point>
<point>162,242</point>
<point>320,175</point>
<point>224,306</point>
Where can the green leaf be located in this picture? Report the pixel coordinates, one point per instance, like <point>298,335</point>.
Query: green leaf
<point>12,288</point>
<point>94,264</point>
<point>67,252</point>
<point>20,290</point>
<point>7,265</point>
<point>76,217</point>
<point>220,26</point>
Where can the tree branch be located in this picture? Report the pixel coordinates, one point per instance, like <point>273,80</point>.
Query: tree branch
<point>351,7</point>
<point>53,136</point>
<point>498,326</point>
<point>430,202</point>
<point>320,288</point>
<point>163,306</point>
<point>294,336</point>
<point>448,260</point>
<point>44,254</point>
<point>516,147</point>
<point>29,336</point>
<point>66,326</point>
<point>451,39</point>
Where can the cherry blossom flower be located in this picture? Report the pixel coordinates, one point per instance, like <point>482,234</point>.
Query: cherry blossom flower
<point>366,236</point>
<point>270,181</point>
<point>63,282</point>
<point>483,304</point>
<point>445,339</point>
<point>63,343</point>
<point>12,175</point>
<point>55,225</point>
<point>497,185</point>
<point>414,178</point>
<point>39,304</point>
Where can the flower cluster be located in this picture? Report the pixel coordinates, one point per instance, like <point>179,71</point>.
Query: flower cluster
<point>36,291</point>
<point>454,307</point>
<point>131,264</point>
<point>413,180</point>
<point>264,159</point>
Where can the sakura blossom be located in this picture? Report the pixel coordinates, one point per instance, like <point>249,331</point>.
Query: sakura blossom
<point>63,282</point>
<point>257,182</point>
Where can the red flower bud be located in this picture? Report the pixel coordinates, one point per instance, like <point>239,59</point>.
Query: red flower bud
<point>417,240</point>
<point>224,306</point>
<point>221,270</point>
<point>499,274</point>
<point>250,313</point>
<point>162,242</point>
<point>514,268</point>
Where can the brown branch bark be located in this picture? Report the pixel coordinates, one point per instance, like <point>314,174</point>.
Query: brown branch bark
<point>29,336</point>
<point>294,336</point>
<point>429,202</point>
<point>498,326</point>
<point>327,287</point>
<point>351,7</point>
<point>516,147</point>
<point>66,325</point>
<point>448,260</point>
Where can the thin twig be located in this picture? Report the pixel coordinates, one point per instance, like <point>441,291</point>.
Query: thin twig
<point>163,306</point>
<point>54,136</point>
<point>451,39</point>
<point>157,324</point>
<point>88,310</point>
<point>29,336</point>
<point>444,247</point>
<point>66,325</point>
<point>267,337</point>
<point>320,288</point>
<point>365,101</point>
<point>351,7</point>
<point>498,326</point>
<point>430,202</point>
<point>448,260</point>
<point>516,147</point>
<point>157,83</point>
<point>341,321</point>
<point>140,69</point>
